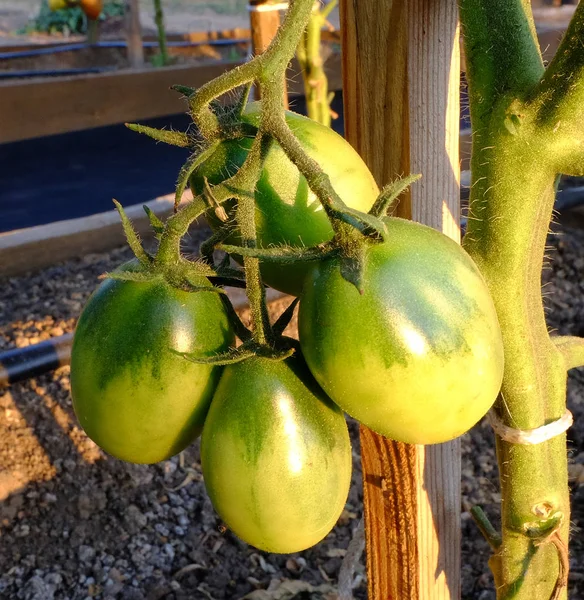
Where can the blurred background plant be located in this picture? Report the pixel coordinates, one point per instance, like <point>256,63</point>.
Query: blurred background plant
<point>69,21</point>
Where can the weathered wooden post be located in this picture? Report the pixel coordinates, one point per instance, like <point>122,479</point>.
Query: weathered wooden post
<point>134,34</point>
<point>264,21</point>
<point>401,68</point>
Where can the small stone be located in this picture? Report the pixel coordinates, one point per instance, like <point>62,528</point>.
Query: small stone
<point>135,518</point>
<point>86,553</point>
<point>37,589</point>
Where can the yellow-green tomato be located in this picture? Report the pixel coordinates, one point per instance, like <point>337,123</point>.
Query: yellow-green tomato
<point>287,211</point>
<point>276,455</point>
<point>133,394</point>
<point>418,356</point>
<point>58,4</point>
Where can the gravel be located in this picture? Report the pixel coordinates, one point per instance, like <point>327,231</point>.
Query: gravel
<point>76,524</point>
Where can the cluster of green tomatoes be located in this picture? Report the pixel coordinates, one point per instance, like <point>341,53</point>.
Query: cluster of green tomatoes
<point>415,354</point>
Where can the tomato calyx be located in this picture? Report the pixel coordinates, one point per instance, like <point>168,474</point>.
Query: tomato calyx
<point>185,275</point>
<point>280,347</point>
<point>247,350</point>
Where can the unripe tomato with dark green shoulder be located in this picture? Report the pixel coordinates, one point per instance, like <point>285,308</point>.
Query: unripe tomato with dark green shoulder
<point>287,211</point>
<point>418,356</point>
<point>133,395</point>
<point>276,455</point>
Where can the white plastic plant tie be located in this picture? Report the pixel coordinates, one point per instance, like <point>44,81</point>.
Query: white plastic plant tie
<point>267,7</point>
<point>530,437</point>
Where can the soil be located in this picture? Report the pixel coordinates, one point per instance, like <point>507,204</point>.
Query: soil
<point>76,524</point>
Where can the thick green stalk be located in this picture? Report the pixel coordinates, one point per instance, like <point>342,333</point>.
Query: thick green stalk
<point>559,100</point>
<point>514,165</point>
<point>310,59</point>
<point>159,19</point>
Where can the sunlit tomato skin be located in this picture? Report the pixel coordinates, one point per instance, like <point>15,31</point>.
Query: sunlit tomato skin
<point>92,8</point>
<point>132,394</point>
<point>287,212</point>
<point>418,357</point>
<point>276,455</point>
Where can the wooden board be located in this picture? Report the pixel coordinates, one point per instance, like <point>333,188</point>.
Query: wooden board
<point>30,109</point>
<point>401,93</point>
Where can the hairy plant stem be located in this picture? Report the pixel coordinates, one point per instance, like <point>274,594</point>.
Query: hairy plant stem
<point>516,157</point>
<point>245,216</point>
<point>271,64</point>
<point>268,71</point>
<point>310,59</point>
<point>159,19</point>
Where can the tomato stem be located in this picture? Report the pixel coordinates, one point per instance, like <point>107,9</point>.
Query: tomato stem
<point>526,128</point>
<point>245,216</point>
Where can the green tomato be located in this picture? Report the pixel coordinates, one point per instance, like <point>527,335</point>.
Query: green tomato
<point>287,211</point>
<point>418,357</point>
<point>135,397</point>
<point>276,455</point>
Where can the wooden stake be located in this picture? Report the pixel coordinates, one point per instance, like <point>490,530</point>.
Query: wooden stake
<point>134,34</point>
<point>264,25</point>
<point>404,118</point>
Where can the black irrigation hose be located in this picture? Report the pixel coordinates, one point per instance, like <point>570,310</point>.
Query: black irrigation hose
<point>53,72</point>
<point>23,363</point>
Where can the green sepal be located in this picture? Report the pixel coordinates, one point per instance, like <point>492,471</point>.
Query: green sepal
<point>156,224</point>
<point>173,138</point>
<point>132,237</point>
<point>352,269</point>
<point>279,254</point>
<point>191,287</point>
<point>184,90</point>
<point>247,350</point>
<point>234,356</point>
<point>136,276</point>
<point>285,318</point>
<point>194,161</point>
<point>194,269</point>
<point>369,225</point>
<point>390,193</point>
